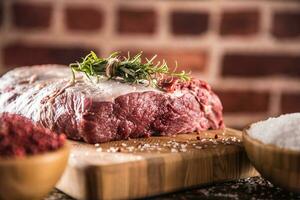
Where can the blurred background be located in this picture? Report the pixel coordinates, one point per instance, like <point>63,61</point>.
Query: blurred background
<point>249,51</point>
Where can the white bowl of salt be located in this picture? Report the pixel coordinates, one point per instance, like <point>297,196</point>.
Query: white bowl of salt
<point>273,147</point>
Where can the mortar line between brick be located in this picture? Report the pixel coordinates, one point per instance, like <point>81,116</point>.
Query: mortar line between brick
<point>265,22</point>
<point>274,103</point>
<point>214,66</point>
<point>57,20</point>
<point>108,29</point>
<point>260,84</point>
<point>255,45</point>
<point>163,18</point>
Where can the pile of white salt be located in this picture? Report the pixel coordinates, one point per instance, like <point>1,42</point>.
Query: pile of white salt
<point>282,131</point>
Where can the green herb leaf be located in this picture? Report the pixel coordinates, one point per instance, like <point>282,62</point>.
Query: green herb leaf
<point>126,69</point>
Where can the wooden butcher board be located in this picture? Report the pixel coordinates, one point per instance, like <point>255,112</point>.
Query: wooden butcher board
<point>139,168</point>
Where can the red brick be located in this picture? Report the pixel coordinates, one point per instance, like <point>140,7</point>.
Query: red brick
<point>290,103</point>
<point>240,22</point>
<point>136,21</point>
<point>22,54</point>
<point>83,18</point>
<point>244,101</point>
<point>188,60</point>
<point>260,65</point>
<point>189,23</point>
<point>286,24</point>
<point>29,16</point>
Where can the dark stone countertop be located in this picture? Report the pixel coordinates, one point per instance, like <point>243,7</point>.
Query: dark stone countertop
<point>249,188</point>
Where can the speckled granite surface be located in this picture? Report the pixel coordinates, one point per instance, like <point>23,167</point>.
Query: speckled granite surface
<point>250,188</point>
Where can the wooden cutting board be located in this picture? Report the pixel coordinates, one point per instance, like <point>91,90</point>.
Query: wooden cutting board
<point>151,166</point>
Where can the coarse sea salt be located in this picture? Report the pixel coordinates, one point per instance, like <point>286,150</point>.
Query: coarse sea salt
<point>282,131</point>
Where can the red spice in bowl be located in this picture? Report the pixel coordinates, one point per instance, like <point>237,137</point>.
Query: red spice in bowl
<point>20,137</point>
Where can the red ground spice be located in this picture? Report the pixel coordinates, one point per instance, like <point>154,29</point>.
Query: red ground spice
<point>20,137</point>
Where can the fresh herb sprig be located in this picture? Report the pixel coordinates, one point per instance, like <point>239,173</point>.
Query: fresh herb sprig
<point>127,69</point>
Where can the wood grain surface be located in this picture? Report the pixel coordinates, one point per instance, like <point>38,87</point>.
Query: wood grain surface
<point>146,167</point>
<point>278,165</point>
<point>31,177</point>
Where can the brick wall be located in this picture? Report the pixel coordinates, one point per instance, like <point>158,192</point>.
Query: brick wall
<point>248,50</point>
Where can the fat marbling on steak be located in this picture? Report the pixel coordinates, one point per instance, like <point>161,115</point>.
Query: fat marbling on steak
<point>108,110</point>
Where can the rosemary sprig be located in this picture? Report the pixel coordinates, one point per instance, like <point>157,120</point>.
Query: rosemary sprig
<point>126,69</point>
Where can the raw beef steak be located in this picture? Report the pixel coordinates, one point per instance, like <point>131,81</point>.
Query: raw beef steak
<point>108,110</point>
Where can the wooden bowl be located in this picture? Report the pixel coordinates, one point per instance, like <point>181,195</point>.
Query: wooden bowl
<point>32,177</point>
<point>279,165</point>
